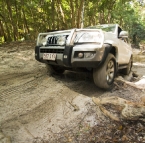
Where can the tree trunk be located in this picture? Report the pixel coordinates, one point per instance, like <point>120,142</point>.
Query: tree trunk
<point>17,17</point>
<point>64,26</point>
<point>53,15</point>
<point>11,19</point>
<point>109,16</point>
<point>72,14</point>
<point>2,32</point>
<point>26,29</point>
<point>5,28</point>
<point>8,32</point>
<point>79,14</point>
<point>1,29</point>
<point>100,18</point>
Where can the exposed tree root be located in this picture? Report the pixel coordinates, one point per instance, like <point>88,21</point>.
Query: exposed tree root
<point>124,109</point>
<point>120,79</point>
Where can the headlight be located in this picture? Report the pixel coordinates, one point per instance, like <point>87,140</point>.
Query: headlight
<point>42,41</point>
<point>84,37</point>
<point>61,40</point>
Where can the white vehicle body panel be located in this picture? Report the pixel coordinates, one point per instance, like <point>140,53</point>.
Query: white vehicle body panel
<point>122,47</point>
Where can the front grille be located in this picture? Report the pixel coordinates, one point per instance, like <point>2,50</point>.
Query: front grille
<point>53,40</point>
<point>52,51</point>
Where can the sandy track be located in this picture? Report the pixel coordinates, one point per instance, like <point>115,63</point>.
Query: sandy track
<point>35,106</point>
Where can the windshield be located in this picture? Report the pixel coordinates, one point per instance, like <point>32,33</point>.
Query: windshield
<point>107,28</point>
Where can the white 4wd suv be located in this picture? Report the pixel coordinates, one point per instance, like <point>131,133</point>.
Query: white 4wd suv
<point>103,49</point>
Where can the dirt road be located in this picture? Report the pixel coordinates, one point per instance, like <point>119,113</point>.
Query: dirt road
<point>36,107</point>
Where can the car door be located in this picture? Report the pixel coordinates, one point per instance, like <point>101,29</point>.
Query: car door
<point>124,50</point>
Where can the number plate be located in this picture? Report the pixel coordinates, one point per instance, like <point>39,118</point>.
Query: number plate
<point>49,56</point>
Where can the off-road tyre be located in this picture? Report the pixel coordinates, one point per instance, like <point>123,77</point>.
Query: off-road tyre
<point>52,69</point>
<point>127,70</point>
<point>104,75</point>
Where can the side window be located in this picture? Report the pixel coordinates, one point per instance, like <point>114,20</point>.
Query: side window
<point>119,30</point>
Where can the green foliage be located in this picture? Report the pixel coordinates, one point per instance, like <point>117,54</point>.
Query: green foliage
<point>1,40</point>
<point>19,18</point>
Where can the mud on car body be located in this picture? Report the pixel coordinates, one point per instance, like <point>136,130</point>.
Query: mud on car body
<point>103,48</point>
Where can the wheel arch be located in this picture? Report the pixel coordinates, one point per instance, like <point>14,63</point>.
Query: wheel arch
<point>109,48</point>
<point>114,51</point>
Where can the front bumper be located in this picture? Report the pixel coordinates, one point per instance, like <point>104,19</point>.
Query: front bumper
<point>68,56</point>
<point>90,61</point>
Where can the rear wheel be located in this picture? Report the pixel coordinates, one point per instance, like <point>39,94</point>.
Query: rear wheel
<point>54,69</point>
<point>105,74</point>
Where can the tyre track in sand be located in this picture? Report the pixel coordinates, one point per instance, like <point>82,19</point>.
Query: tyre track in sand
<point>32,83</point>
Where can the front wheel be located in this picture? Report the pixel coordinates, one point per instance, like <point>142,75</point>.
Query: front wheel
<point>104,75</point>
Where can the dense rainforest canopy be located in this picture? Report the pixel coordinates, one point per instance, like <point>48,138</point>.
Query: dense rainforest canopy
<point>24,19</point>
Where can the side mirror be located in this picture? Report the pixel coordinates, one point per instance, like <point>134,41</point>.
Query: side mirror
<point>123,34</point>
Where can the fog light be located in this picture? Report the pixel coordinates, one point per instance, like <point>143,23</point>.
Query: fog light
<point>88,55</point>
<point>80,55</point>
